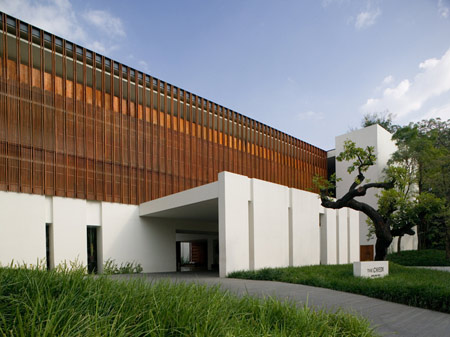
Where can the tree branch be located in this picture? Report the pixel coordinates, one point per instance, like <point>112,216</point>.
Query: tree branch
<point>359,178</point>
<point>407,229</point>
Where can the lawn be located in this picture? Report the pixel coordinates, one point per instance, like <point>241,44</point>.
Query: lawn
<point>40,303</point>
<point>425,257</point>
<point>429,289</point>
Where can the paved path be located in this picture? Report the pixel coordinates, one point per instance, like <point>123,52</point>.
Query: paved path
<point>390,319</point>
<point>447,269</point>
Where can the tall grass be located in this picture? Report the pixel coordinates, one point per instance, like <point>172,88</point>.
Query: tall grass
<point>40,303</point>
<point>429,289</point>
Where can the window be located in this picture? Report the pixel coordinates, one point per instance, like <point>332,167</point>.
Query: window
<point>108,65</point>
<point>36,34</point>
<point>47,41</point>
<point>23,52</point>
<point>69,49</point>
<point>80,75</point>
<point>58,45</point>
<point>98,61</point>
<point>23,30</point>
<point>11,25</point>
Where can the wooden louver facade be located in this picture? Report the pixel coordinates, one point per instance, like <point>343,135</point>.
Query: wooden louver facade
<point>74,123</point>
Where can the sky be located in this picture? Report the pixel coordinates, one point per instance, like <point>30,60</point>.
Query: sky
<point>310,68</point>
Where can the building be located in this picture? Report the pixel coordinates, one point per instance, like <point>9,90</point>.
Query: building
<point>384,147</point>
<point>87,144</point>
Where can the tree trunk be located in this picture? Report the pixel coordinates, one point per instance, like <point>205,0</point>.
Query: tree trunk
<point>381,247</point>
<point>399,244</point>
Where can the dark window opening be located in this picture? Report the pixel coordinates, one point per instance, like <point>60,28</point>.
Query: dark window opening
<point>92,255</point>
<point>48,245</point>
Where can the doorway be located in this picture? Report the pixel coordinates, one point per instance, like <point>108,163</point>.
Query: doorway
<point>192,255</point>
<point>92,253</point>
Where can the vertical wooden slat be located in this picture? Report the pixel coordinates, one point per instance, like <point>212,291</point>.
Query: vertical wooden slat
<point>159,152</point>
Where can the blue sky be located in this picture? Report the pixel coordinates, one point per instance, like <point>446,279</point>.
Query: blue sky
<point>310,68</point>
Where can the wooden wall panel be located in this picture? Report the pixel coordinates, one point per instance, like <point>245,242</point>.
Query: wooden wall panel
<point>60,135</point>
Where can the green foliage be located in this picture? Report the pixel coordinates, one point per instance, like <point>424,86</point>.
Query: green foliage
<point>424,257</point>
<point>111,267</point>
<point>37,303</point>
<point>325,185</point>
<point>382,119</point>
<point>425,146</point>
<point>361,159</point>
<point>429,289</point>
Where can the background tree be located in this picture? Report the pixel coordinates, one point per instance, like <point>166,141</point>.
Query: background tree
<point>385,120</point>
<point>426,144</point>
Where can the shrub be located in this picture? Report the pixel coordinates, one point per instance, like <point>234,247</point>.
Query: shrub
<point>111,267</point>
<point>425,257</point>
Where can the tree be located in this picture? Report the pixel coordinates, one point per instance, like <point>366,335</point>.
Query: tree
<point>404,208</point>
<point>382,119</point>
<point>426,144</point>
<point>361,159</point>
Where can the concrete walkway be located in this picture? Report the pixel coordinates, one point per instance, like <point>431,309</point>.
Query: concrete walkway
<point>389,319</point>
<point>447,269</point>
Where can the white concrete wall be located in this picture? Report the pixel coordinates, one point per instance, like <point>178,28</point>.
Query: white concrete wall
<point>353,235</point>
<point>22,228</point>
<point>270,225</point>
<point>69,231</point>
<point>234,247</point>
<point>342,235</point>
<point>305,209</point>
<point>329,234</point>
<point>260,224</point>
<point>270,204</point>
<point>128,237</point>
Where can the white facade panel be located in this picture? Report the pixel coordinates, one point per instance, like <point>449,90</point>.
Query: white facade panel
<point>270,203</point>
<point>127,237</point>
<point>342,235</point>
<point>22,228</point>
<point>329,232</point>
<point>234,197</point>
<point>260,224</point>
<point>69,231</point>
<point>353,235</point>
<point>305,228</point>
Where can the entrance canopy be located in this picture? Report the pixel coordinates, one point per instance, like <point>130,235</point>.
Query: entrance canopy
<point>199,203</point>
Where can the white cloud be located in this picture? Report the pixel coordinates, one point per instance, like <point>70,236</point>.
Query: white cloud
<point>105,22</point>
<point>310,115</point>
<point>60,18</point>
<point>443,10</point>
<point>367,18</point>
<point>388,79</point>
<point>442,112</point>
<point>432,80</point>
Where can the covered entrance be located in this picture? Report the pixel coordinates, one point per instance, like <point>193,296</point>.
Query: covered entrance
<point>194,217</point>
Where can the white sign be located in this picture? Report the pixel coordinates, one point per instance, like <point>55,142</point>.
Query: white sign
<point>371,269</point>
